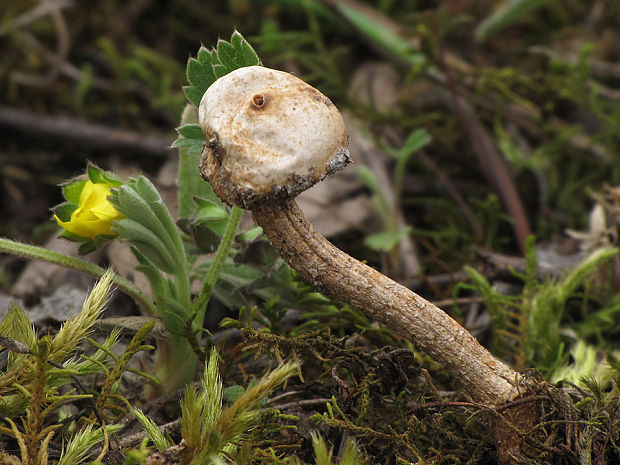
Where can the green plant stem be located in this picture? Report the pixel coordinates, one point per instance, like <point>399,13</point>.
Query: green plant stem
<point>184,289</point>
<point>182,273</point>
<point>399,182</point>
<point>176,363</point>
<point>200,303</point>
<point>40,253</point>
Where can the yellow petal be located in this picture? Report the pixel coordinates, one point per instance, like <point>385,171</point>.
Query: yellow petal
<point>94,214</point>
<point>106,211</point>
<point>93,195</point>
<point>84,228</point>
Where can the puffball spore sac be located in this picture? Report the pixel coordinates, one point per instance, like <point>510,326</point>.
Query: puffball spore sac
<point>269,136</point>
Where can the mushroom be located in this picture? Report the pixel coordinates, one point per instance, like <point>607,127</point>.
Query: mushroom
<point>269,136</point>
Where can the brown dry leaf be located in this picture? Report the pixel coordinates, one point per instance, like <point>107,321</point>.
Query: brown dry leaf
<point>604,221</point>
<point>336,205</point>
<point>376,84</point>
<point>63,304</point>
<point>368,152</point>
<point>130,325</point>
<point>124,263</point>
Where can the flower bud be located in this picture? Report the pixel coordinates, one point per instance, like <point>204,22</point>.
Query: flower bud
<point>93,215</point>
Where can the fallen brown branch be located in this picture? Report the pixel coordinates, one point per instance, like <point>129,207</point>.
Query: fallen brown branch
<point>82,133</point>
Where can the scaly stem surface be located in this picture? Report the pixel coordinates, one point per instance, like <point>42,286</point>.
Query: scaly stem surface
<point>486,379</point>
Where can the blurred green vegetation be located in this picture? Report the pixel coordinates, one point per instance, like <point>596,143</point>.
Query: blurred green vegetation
<point>539,74</point>
<point>528,85</point>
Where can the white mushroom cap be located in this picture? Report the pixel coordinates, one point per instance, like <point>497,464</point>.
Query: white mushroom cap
<point>269,136</point>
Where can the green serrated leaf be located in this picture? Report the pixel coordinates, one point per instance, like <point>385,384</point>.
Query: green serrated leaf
<point>191,131</point>
<point>191,184</point>
<point>227,55</point>
<point>240,276</point>
<point>72,237</point>
<point>147,190</point>
<point>197,74</point>
<point>71,192</point>
<point>218,226</point>
<point>193,94</point>
<point>95,174</point>
<point>250,57</point>
<point>64,211</point>
<point>147,243</point>
<point>149,193</point>
<point>208,209</point>
<point>99,176</point>
<point>193,146</point>
<point>207,57</point>
<point>196,149</point>
<point>209,73</point>
<point>149,216</point>
<point>246,56</point>
<point>183,142</point>
<point>251,234</point>
<point>131,205</point>
<point>211,65</point>
<point>87,247</point>
<point>236,39</point>
<point>112,179</point>
<point>220,71</point>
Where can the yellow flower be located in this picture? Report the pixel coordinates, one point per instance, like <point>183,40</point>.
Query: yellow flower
<point>94,214</point>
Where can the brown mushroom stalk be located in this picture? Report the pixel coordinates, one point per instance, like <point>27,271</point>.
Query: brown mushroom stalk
<point>269,137</point>
<point>333,272</point>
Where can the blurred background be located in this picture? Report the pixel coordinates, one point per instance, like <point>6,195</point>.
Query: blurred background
<point>473,123</point>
